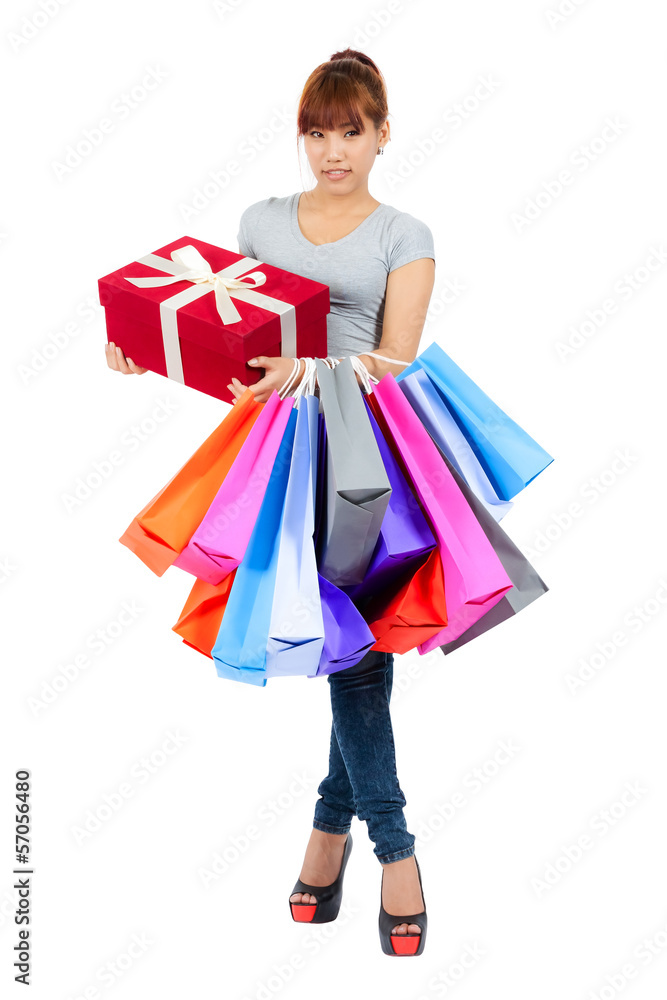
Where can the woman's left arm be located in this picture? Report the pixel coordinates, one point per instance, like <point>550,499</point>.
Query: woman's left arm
<point>409,290</point>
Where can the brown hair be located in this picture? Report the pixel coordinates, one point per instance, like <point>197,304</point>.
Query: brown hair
<point>341,90</point>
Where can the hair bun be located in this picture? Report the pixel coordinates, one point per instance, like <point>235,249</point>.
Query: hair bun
<point>358,56</point>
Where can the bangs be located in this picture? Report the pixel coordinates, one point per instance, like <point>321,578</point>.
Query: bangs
<point>333,103</point>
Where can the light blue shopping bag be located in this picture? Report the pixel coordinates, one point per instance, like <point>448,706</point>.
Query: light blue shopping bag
<point>296,629</point>
<point>436,417</point>
<point>510,456</point>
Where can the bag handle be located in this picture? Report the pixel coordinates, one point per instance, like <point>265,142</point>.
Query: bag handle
<point>309,381</point>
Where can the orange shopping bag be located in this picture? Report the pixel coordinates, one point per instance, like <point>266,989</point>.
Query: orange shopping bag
<point>199,622</point>
<point>164,527</point>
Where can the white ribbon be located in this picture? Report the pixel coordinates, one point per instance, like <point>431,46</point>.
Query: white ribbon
<point>187,264</point>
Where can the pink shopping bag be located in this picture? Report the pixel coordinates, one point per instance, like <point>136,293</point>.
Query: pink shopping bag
<point>219,543</point>
<point>475,579</point>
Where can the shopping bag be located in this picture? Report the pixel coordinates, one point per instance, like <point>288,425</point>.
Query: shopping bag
<point>163,528</point>
<point>357,486</point>
<point>309,633</point>
<point>405,539</point>
<point>296,629</point>
<point>219,542</point>
<point>527,583</point>
<point>240,647</point>
<point>435,415</point>
<point>199,621</point>
<point>511,458</point>
<point>475,579</point>
<point>412,612</point>
<point>347,637</point>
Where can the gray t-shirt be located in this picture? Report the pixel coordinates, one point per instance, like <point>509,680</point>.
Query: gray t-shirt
<point>355,267</point>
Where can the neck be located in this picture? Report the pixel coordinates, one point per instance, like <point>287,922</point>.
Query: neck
<point>340,203</point>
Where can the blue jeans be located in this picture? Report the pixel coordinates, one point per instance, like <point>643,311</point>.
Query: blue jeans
<point>362,778</point>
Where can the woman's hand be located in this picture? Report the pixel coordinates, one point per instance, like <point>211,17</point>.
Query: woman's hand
<point>117,360</point>
<point>277,371</point>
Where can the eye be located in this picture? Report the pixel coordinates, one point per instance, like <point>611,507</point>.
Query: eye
<point>315,132</point>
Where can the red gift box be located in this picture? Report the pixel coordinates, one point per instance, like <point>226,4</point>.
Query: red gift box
<point>198,313</point>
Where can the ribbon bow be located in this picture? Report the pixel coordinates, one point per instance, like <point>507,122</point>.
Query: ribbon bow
<point>198,270</point>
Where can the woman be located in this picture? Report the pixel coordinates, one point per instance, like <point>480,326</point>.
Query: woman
<point>379,265</point>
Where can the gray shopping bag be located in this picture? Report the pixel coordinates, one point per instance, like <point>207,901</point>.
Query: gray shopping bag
<point>356,486</point>
<point>527,584</point>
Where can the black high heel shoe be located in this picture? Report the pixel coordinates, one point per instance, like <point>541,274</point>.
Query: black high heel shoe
<point>402,944</point>
<point>328,896</point>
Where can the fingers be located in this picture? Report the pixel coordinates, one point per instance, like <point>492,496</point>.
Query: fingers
<point>117,360</point>
<point>137,369</point>
<point>237,388</point>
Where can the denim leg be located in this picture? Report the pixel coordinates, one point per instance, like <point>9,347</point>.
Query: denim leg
<point>362,775</point>
<point>336,806</point>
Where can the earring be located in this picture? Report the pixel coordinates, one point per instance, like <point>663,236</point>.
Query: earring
<point>380,150</point>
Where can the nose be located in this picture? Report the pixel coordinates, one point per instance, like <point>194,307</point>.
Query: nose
<point>332,148</point>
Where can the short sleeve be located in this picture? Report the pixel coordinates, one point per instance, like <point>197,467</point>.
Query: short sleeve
<point>413,240</point>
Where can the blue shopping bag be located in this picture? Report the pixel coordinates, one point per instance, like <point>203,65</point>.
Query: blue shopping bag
<point>296,629</point>
<point>510,456</point>
<point>239,652</point>
<point>435,415</point>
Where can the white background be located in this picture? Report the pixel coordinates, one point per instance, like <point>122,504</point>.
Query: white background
<point>592,523</point>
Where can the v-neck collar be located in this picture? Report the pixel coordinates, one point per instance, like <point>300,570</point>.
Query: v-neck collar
<point>296,228</point>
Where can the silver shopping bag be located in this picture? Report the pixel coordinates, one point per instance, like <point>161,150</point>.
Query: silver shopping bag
<point>356,486</point>
<point>527,584</point>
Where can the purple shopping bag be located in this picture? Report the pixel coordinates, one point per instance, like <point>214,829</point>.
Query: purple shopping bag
<point>406,539</point>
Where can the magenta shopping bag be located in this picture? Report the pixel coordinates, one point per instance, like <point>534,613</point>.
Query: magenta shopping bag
<point>475,579</point>
<point>219,543</point>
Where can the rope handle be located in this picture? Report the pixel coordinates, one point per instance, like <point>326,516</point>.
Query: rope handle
<point>308,382</point>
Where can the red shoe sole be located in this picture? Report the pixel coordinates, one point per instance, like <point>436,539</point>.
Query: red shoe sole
<point>405,944</point>
<point>303,912</point>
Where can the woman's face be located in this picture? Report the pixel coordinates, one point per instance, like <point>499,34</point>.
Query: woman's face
<point>344,149</point>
